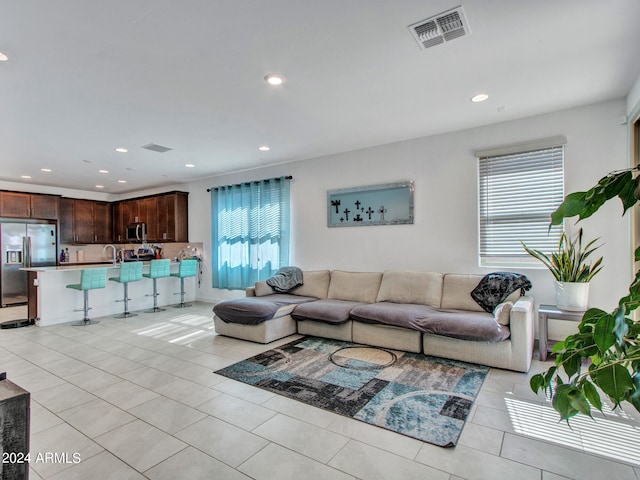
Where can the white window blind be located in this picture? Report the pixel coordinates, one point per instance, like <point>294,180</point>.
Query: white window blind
<point>518,192</point>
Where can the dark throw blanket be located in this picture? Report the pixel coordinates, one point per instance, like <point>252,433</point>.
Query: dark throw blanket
<point>286,279</point>
<point>495,287</point>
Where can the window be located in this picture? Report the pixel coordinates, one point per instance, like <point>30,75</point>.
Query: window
<point>519,189</point>
<point>250,232</point>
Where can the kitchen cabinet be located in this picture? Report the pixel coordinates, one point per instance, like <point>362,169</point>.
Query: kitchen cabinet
<point>103,222</point>
<point>124,213</point>
<point>29,205</point>
<point>85,221</point>
<point>148,213</point>
<point>165,215</point>
<point>173,217</point>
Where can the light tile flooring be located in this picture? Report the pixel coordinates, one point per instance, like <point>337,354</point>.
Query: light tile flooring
<point>137,398</point>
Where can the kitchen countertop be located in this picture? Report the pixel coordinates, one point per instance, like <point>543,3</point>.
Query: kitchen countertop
<point>79,266</point>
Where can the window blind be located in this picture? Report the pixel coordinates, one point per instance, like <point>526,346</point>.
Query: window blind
<point>518,192</point>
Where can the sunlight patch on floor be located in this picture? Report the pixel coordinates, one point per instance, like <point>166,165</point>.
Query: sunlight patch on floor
<point>609,436</point>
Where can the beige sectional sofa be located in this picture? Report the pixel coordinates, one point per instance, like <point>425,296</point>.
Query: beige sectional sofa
<point>421,312</point>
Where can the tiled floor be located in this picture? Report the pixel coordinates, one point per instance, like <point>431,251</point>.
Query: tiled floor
<point>137,398</point>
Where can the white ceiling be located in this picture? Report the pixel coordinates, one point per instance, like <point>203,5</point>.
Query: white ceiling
<point>87,76</point>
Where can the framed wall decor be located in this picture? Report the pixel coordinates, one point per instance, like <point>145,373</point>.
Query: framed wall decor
<point>388,204</point>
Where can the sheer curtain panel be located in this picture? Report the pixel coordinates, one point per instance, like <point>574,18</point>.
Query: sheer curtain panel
<point>251,232</point>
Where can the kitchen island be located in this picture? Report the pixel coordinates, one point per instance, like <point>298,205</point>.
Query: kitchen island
<point>56,303</point>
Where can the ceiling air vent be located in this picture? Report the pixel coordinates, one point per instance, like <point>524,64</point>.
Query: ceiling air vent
<point>156,148</point>
<point>440,28</point>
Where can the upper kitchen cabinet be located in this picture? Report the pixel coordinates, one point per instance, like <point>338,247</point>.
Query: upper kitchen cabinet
<point>85,221</point>
<point>173,217</point>
<point>165,215</point>
<point>29,205</point>
<point>148,213</point>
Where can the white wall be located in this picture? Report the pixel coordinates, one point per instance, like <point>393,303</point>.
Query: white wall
<point>444,169</point>
<point>633,98</point>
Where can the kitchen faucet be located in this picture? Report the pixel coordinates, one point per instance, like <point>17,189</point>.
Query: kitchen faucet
<point>114,252</point>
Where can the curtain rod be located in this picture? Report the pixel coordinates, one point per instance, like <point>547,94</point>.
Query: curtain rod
<point>267,180</point>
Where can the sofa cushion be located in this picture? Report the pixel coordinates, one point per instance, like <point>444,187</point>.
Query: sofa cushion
<point>423,288</point>
<point>457,288</point>
<point>465,325</point>
<point>502,313</point>
<point>262,289</point>
<point>354,286</point>
<point>255,310</point>
<point>315,284</point>
<point>328,310</point>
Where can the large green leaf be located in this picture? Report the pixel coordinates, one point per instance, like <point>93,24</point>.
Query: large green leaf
<point>579,401</point>
<point>603,333</point>
<point>573,204</point>
<point>537,382</point>
<point>627,194</point>
<point>621,326</point>
<point>614,380</point>
<point>562,401</point>
<point>592,394</point>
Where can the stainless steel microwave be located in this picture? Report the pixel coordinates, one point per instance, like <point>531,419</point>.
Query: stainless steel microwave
<point>137,232</point>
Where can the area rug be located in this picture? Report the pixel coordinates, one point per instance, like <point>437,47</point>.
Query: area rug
<point>423,397</point>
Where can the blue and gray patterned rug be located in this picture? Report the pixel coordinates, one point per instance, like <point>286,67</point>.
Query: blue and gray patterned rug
<point>423,397</point>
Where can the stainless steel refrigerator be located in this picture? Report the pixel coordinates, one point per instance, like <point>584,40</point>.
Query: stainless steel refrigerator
<point>24,245</point>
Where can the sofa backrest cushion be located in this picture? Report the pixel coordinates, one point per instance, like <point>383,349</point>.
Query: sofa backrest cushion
<point>354,286</point>
<point>422,288</point>
<point>315,284</point>
<point>456,292</point>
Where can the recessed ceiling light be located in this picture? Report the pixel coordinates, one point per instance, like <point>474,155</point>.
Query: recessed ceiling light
<point>121,150</point>
<point>189,165</point>
<point>25,176</point>
<point>45,169</point>
<point>274,79</point>
<point>481,97</point>
<point>264,148</point>
<point>103,171</point>
<point>3,57</point>
<point>99,186</point>
<point>122,181</point>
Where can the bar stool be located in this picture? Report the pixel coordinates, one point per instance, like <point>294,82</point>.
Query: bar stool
<point>90,279</point>
<point>129,272</point>
<point>188,268</point>
<point>157,269</point>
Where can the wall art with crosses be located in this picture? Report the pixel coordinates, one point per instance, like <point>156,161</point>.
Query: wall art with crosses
<point>388,204</point>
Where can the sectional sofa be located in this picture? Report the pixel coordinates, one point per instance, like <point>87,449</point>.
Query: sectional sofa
<point>421,312</point>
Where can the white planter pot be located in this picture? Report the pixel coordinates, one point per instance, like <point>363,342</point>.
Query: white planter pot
<point>572,296</point>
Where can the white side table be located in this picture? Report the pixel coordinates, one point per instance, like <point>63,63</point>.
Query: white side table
<point>551,311</point>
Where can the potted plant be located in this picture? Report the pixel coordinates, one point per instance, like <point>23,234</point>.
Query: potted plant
<point>570,268</point>
<point>607,344</point>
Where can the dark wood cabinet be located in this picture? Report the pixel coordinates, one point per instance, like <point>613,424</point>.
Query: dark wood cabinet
<point>44,206</point>
<point>66,220</point>
<point>85,221</point>
<point>165,215</point>
<point>103,221</point>
<point>29,205</point>
<point>173,217</point>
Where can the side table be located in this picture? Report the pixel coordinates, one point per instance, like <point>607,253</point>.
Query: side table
<point>551,311</point>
